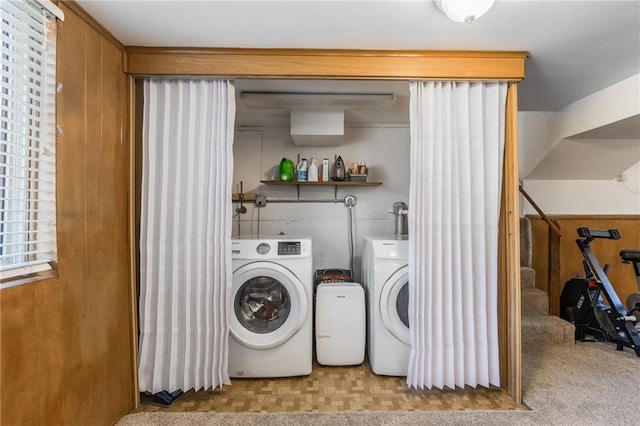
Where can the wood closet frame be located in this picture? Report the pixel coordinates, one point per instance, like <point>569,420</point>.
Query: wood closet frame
<point>367,65</point>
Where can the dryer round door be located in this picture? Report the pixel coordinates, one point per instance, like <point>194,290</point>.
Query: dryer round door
<point>269,305</point>
<point>394,304</point>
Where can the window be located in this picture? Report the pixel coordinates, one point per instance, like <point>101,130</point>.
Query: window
<point>27,140</point>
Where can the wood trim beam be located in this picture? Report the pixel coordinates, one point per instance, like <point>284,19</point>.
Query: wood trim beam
<point>326,64</point>
<point>129,105</point>
<point>511,244</point>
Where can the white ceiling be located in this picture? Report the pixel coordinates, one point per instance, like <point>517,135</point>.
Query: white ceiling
<point>576,48</point>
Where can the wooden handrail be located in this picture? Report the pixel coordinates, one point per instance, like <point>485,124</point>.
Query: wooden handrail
<point>552,224</point>
<point>553,257</point>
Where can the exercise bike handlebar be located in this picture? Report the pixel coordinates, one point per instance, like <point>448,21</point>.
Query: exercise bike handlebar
<point>592,234</point>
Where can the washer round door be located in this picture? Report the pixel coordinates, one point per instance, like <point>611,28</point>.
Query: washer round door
<point>394,304</point>
<point>269,305</point>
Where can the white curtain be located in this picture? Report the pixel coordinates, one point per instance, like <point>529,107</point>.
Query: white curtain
<point>185,234</point>
<point>457,145</point>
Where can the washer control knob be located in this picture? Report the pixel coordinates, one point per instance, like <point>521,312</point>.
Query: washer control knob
<point>263,248</point>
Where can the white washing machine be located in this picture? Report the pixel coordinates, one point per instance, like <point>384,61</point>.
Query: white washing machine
<point>385,273</point>
<point>271,316</point>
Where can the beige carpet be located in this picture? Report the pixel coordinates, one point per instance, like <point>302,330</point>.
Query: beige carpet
<point>585,384</point>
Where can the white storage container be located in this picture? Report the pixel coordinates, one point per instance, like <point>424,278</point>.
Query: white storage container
<point>340,324</point>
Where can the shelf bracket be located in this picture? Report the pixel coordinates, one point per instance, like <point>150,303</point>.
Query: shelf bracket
<point>335,185</point>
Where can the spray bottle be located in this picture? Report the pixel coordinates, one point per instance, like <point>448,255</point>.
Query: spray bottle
<point>312,172</point>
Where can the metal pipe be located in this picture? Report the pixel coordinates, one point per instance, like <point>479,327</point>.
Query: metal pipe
<point>400,211</point>
<point>297,200</point>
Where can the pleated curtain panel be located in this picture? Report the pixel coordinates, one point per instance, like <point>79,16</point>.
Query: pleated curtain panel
<point>185,234</point>
<point>457,146</point>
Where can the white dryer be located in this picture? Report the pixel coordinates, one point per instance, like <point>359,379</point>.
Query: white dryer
<point>385,275</point>
<point>270,319</point>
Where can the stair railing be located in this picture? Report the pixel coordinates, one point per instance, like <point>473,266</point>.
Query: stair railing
<point>553,256</point>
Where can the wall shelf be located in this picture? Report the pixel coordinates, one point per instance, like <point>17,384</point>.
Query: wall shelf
<point>331,183</point>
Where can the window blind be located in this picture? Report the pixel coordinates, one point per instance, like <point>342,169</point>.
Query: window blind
<point>27,139</point>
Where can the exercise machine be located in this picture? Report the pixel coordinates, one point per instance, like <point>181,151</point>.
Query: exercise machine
<point>614,322</point>
<point>579,301</point>
<point>633,301</point>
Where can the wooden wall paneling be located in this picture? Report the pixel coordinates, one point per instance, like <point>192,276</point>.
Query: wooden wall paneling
<point>20,404</point>
<point>93,226</point>
<point>539,230</point>
<point>115,220</point>
<point>71,205</point>
<point>570,257</point>
<point>94,309</point>
<point>48,322</point>
<point>31,384</point>
<point>20,398</point>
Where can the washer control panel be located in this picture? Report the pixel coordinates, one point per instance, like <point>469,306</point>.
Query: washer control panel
<point>288,248</point>
<point>270,248</point>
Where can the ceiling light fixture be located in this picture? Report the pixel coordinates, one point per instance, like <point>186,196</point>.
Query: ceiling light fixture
<point>342,101</point>
<point>465,11</point>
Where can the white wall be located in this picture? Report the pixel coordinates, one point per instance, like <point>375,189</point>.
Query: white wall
<point>534,135</point>
<point>257,155</point>
<point>586,196</point>
<point>542,135</point>
<point>540,132</point>
<point>609,105</point>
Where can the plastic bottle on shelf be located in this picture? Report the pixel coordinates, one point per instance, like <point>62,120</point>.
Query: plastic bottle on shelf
<point>325,169</point>
<point>302,170</point>
<point>286,170</point>
<point>312,172</point>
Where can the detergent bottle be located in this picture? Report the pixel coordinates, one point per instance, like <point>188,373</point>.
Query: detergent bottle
<point>302,170</point>
<point>286,170</point>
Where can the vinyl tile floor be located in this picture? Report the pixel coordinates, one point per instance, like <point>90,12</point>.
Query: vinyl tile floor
<point>333,389</point>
